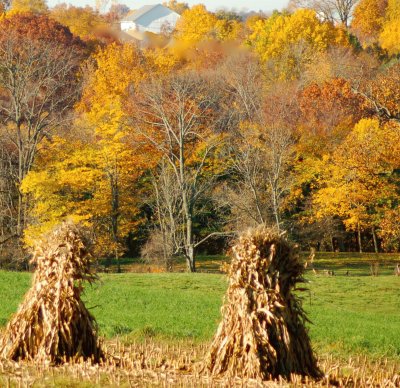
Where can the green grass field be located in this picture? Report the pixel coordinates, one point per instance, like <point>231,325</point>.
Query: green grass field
<point>356,314</point>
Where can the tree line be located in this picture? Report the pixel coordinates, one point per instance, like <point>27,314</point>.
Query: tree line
<point>289,119</point>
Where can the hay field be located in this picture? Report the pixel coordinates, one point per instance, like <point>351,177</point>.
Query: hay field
<point>167,320</point>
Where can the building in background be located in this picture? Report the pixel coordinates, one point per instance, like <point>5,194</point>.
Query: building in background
<point>150,18</point>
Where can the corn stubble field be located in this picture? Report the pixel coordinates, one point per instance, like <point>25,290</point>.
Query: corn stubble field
<point>151,364</point>
<point>156,348</point>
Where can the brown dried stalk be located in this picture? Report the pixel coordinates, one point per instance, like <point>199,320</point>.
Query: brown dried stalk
<point>262,334</point>
<point>52,323</point>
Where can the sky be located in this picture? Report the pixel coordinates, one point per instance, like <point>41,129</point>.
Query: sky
<point>212,5</point>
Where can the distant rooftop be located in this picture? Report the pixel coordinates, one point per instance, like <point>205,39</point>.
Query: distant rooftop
<point>135,15</point>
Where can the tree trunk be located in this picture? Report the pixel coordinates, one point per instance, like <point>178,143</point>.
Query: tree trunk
<point>341,245</point>
<point>359,238</point>
<point>191,259</point>
<point>275,204</point>
<point>118,262</point>
<point>114,185</point>
<point>375,240</point>
<point>333,243</point>
<point>189,245</point>
<point>20,214</point>
<point>166,240</point>
<point>257,202</point>
<point>20,220</point>
<point>187,210</point>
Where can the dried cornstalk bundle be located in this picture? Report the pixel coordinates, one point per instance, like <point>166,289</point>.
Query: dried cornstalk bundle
<point>52,323</point>
<point>262,334</point>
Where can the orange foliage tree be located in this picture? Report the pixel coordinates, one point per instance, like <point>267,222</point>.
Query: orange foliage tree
<point>382,94</point>
<point>327,113</point>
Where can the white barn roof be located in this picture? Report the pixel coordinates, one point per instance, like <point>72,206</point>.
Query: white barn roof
<point>146,14</point>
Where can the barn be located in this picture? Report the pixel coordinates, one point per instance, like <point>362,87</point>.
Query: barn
<point>150,18</point>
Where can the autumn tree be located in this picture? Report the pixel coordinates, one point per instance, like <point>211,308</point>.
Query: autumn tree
<point>34,6</point>
<point>251,20</point>
<point>368,19</point>
<point>83,22</point>
<point>118,67</point>
<point>230,25</point>
<point>334,11</point>
<point>116,13</point>
<point>289,41</point>
<point>328,111</point>
<point>340,62</point>
<point>262,152</point>
<point>389,37</point>
<point>39,63</point>
<point>390,230</point>
<point>202,40</point>
<point>176,6</point>
<point>166,236</point>
<point>87,179</point>
<point>4,5</point>
<point>228,29</point>
<point>196,24</point>
<point>179,116</point>
<point>359,180</point>
<point>381,92</point>
<point>96,174</point>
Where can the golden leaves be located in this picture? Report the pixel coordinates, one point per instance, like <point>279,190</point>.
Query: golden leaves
<point>293,39</point>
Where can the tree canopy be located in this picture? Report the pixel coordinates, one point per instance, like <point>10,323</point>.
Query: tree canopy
<point>290,119</point>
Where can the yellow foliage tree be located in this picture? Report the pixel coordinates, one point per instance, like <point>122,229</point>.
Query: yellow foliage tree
<point>357,181</point>
<point>83,22</point>
<point>390,35</point>
<point>368,19</point>
<point>93,178</point>
<point>34,6</point>
<point>118,68</point>
<point>291,40</point>
<point>88,182</point>
<point>202,39</point>
<point>162,60</point>
<point>60,186</point>
<point>227,30</point>
<point>196,24</point>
